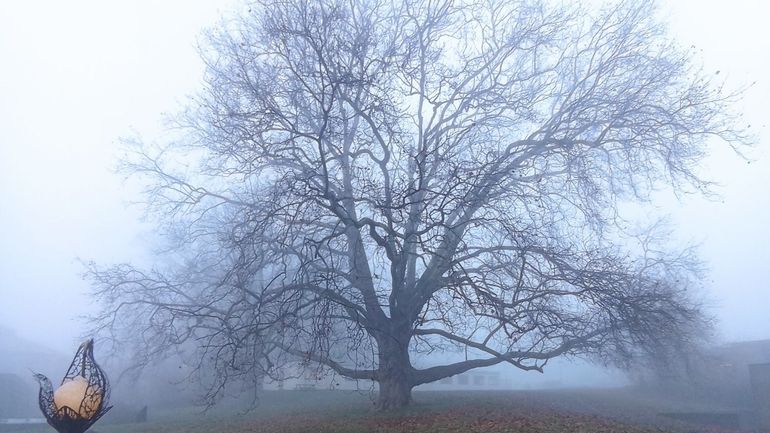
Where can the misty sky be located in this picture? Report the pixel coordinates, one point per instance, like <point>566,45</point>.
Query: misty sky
<point>76,76</point>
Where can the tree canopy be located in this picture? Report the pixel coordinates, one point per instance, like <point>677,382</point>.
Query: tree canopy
<point>360,181</point>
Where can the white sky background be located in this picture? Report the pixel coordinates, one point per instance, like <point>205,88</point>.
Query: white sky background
<point>75,76</point>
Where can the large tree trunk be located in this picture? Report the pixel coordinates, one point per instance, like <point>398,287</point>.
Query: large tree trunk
<point>395,373</point>
<point>395,393</point>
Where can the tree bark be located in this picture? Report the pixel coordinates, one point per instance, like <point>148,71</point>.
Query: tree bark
<point>395,373</point>
<point>395,393</point>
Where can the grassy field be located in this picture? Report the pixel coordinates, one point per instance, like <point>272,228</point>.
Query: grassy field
<point>433,412</point>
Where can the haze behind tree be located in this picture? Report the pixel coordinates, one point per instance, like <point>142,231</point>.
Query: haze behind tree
<point>362,182</point>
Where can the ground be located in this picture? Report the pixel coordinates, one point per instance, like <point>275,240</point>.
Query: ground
<point>578,411</point>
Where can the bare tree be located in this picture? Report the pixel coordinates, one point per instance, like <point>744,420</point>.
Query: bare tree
<point>363,180</point>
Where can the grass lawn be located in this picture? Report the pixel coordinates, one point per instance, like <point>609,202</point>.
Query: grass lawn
<point>432,412</point>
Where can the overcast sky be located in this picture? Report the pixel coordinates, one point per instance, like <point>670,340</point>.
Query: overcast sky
<point>76,76</point>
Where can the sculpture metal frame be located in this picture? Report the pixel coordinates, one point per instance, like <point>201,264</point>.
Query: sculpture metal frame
<point>95,400</point>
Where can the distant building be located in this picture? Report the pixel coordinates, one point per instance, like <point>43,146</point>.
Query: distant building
<point>474,379</point>
<point>728,365</point>
<point>22,357</point>
<point>302,377</point>
<point>18,398</point>
<point>742,353</point>
<point>719,373</point>
<point>19,358</point>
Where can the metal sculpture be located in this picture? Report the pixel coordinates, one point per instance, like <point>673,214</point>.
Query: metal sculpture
<point>85,386</point>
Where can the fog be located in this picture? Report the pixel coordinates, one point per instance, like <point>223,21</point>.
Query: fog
<point>77,76</point>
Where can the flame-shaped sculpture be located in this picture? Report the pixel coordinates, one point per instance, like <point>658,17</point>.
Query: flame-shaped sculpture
<point>82,397</point>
